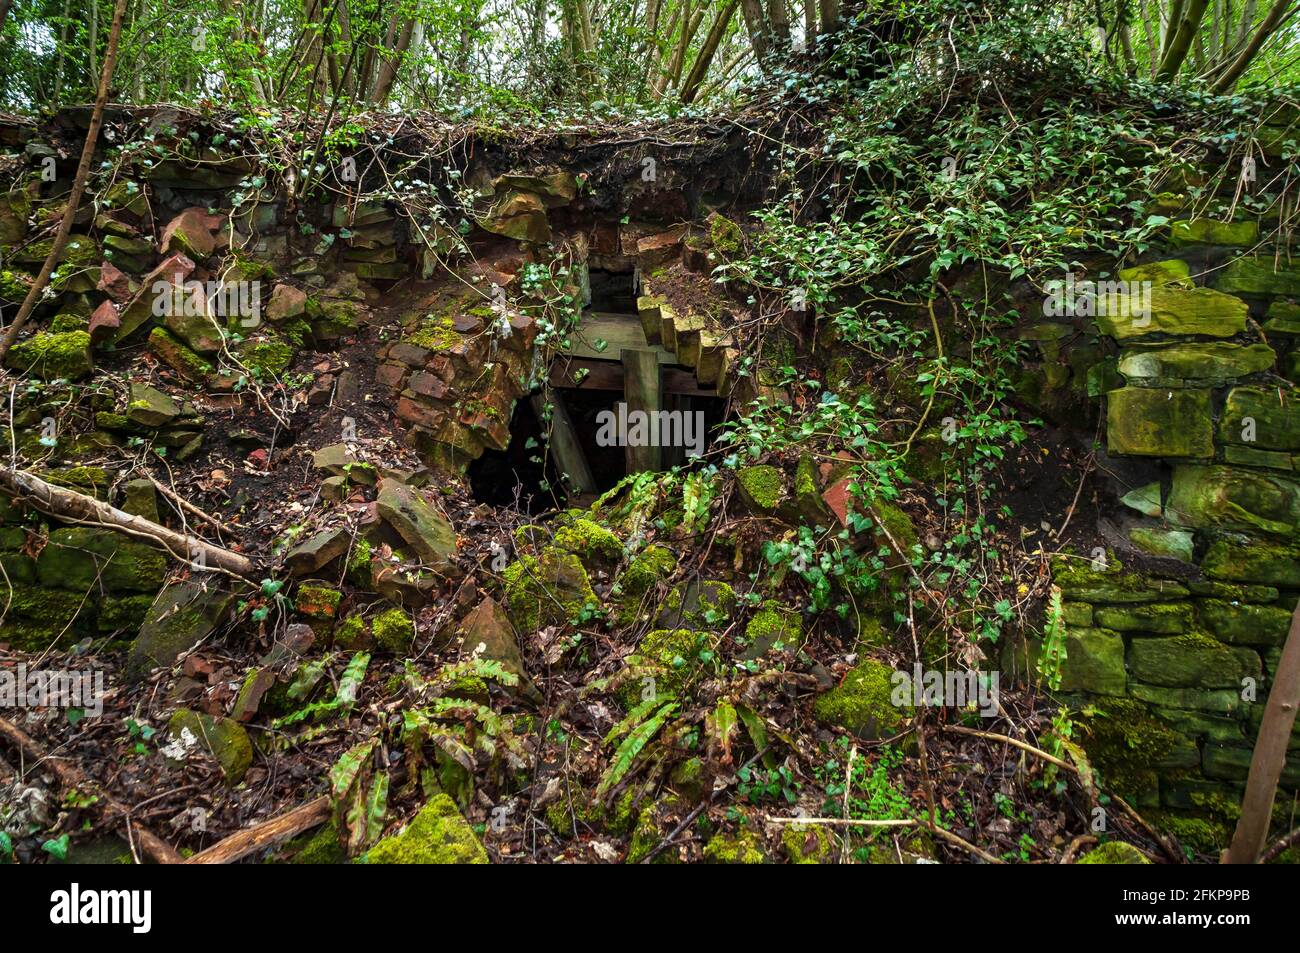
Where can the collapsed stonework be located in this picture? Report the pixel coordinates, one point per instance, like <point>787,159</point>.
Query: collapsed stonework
<point>1173,610</point>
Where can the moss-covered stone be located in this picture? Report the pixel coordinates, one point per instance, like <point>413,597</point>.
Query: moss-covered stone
<point>862,703</point>
<point>1124,741</point>
<point>352,634</point>
<point>225,739</point>
<point>317,603</point>
<point>808,844</point>
<point>439,834</point>
<point>1257,562</point>
<point>394,631</point>
<point>725,235</point>
<point>745,847</point>
<point>1094,662</point>
<point>699,604</point>
<point>1261,418</point>
<point>1172,271</point>
<point>1174,311</point>
<point>1245,624</point>
<point>182,615</point>
<point>1167,543</point>
<point>1191,660</point>
<point>265,357</point>
<point>1114,852</point>
<point>590,542</point>
<point>1208,231</point>
<point>322,847</point>
<point>762,488</point>
<point>1111,585</point>
<point>1258,276</point>
<point>1146,422</point>
<point>52,356</point>
<point>1199,364</point>
<point>773,626</point>
<point>1159,617</point>
<point>670,658</point>
<point>178,356</point>
<point>552,589</point>
<point>646,569</point>
<point>82,558</point>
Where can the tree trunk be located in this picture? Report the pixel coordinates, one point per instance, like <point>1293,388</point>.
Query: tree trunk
<point>756,27</point>
<point>704,58</point>
<point>1270,23</point>
<point>78,186</point>
<point>1270,754</point>
<point>1180,43</point>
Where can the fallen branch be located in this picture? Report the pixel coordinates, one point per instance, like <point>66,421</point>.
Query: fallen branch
<point>77,507</point>
<point>1133,815</point>
<point>1290,840</point>
<point>73,778</point>
<point>266,834</point>
<point>186,506</point>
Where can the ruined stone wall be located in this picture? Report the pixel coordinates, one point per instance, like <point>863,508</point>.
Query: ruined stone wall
<point>1175,620</point>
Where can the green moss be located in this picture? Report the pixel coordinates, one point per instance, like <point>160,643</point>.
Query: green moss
<point>267,357</point>
<point>808,844</point>
<point>774,626</point>
<point>434,333</point>
<point>1114,852</point>
<point>552,589</point>
<point>761,487</point>
<point>358,568</point>
<point>322,847</point>
<point>898,524</point>
<point>652,826</point>
<point>668,656</point>
<point>437,835</point>
<point>708,605</point>
<point>648,567</point>
<point>352,634</point>
<point>862,703</point>
<point>181,357</point>
<point>745,847</point>
<point>225,739</point>
<point>1202,834</point>
<point>61,356</point>
<point>589,541</point>
<point>317,602</point>
<point>14,286</point>
<point>1124,741</point>
<point>725,234</point>
<point>394,631</point>
<point>123,613</point>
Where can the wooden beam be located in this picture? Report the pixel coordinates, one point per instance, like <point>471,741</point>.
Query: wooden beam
<point>608,375</point>
<point>643,391</point>
<point>564,444</point>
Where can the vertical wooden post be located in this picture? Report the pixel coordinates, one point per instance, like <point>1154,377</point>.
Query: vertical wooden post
<point>565,447</point>
<point>675,456</point>
<point>643,390</point>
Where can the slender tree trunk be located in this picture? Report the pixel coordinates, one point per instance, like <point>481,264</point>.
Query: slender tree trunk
<point>778,16</point>
<point>710,48</point>
<point>809,24</point>
<point>388,69</point>
<point>756,27</point>
<point>78,186</point>
<point>1279,12</point>
<point>830,15</point>
<point>1181,43</point>
<point>1270,754</point>
<point>4,12</point>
